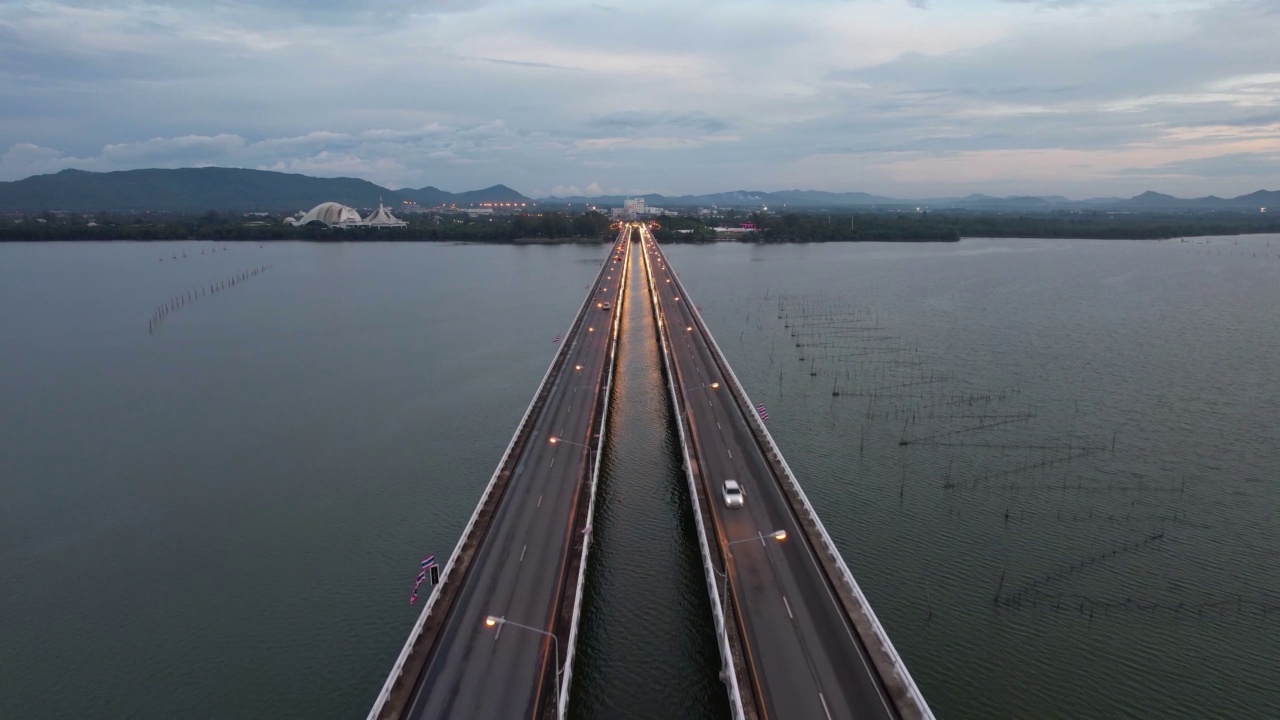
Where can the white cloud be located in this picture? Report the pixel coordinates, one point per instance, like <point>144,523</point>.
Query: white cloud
<point>876,95</point>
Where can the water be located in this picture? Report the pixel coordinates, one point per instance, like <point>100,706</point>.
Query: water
<point>652,652</point>
<point>1168,347</point>
<point>223,519</point>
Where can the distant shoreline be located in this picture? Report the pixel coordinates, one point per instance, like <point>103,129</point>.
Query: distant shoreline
<point>605,240</point>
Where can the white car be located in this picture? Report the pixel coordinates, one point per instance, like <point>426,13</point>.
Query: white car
<point>733,496</point>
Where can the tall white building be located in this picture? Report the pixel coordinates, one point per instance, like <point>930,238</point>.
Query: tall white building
<point>633,207</point>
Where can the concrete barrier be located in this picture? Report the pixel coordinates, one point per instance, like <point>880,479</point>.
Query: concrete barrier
<point>447,579</point>
<point>902,688</point>
<point>729,668</point>
<point>595,481</point>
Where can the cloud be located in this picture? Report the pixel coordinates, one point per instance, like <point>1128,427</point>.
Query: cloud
<point>592,189</point>
<point>1261,166</point>
<point>390,157</point>
<point>640,120</point>
<point>994,95</point>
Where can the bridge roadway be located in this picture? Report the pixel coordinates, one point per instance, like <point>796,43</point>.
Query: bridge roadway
<point>520,570</point>
<point>804,656</point>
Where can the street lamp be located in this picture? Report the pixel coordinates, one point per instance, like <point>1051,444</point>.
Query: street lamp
<point>713,386</point>
<point>778,535</point>
<point>500,621</point>
<point>555,440</point>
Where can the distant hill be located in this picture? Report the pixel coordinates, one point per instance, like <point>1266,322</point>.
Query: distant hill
<point>235,189</point>
<point>799,199</point>
<point>213,188</point>
<point>785,200</point>
<point>430,196</point>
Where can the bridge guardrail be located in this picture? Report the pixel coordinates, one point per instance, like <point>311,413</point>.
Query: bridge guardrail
<point>446,575</point>
<point>907,693</point>
<point>591,505</point>
<point>726,651</point>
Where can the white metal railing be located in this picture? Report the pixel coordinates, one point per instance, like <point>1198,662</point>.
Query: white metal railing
<point>708,565</point>
<point>899,667</point>
<point>446,574</point>
<point>591,504</point>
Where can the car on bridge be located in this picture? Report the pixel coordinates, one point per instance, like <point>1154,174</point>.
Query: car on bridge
<point>733,496</point>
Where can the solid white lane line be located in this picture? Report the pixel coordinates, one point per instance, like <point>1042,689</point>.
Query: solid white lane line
<point>825,709</point>
<point>526,547</point>
<point>539,501</point>
<point>784,600</point>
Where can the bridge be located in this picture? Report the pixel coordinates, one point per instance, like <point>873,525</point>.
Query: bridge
<point>496,639</point>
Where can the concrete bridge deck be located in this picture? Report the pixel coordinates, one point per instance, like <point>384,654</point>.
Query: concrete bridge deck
<point>496,638</point>
<point>798,636</point>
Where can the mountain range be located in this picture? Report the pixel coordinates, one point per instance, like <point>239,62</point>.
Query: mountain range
<point>237,189</point>
<point>816,199</point>
<point>214,188</point>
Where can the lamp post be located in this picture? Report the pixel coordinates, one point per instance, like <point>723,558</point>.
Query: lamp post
<point>499,621</point>
<point>778,535</point>
<point>712,386</point>
<point>554,440</point>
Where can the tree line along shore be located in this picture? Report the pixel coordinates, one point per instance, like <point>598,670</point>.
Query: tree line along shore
<point>556,226</point>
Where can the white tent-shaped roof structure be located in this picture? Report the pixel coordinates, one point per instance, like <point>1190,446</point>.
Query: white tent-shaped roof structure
<point>338,215</point>
<point>382,217</point>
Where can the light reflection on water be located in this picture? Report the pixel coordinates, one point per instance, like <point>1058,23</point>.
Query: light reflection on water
<point>223,519</point>
<point>1166,347</point>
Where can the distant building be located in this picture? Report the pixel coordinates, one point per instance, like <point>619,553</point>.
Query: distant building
<point>504,207</point>
<point>382,217</point>
<point>330,213</point>
<point>617,213</point>
<point>633,207</point>
<point>338,215</point>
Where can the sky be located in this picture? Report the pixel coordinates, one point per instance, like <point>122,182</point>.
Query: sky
<point>907,98</point>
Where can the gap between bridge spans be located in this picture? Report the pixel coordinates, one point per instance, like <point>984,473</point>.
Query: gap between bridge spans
<point>400,686</point>
<point>907,700</point>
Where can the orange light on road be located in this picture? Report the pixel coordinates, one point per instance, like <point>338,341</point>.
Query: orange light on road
<point>591,329</point>
<point>491,621</point>
<point>690,328</point>
<point>577,367</point>
<point>715,385</point>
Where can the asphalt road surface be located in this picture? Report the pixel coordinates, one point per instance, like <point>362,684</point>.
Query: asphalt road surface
<point>477,671</point>
<point>805,657</point>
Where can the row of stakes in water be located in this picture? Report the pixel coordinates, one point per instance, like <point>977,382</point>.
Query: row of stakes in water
<point>177,301</point>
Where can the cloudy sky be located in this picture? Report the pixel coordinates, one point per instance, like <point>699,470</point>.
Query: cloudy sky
<point>1081,98</point>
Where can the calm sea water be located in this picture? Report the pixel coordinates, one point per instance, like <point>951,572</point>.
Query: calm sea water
<point>222,518</point>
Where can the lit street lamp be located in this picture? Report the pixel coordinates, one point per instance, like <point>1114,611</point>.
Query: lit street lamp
<point>555,440</point>
<point>778,535</point>
<point>499,621</point>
